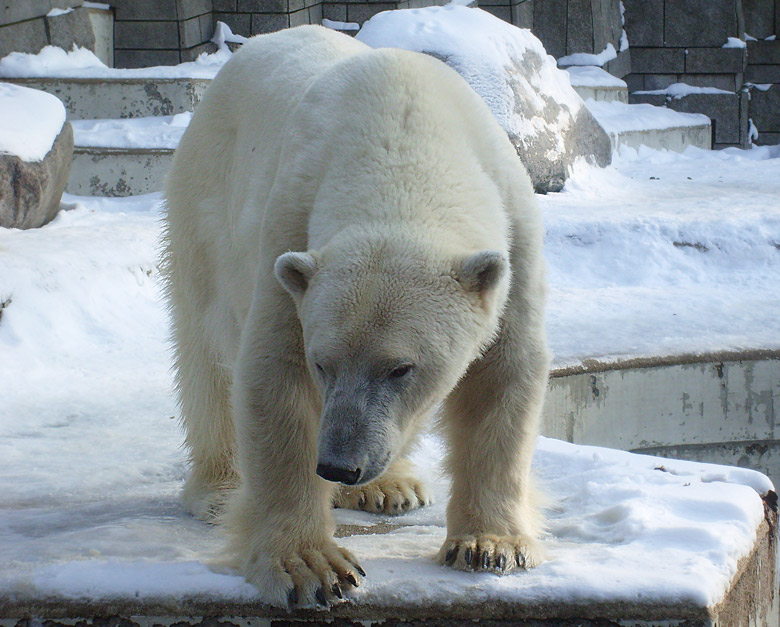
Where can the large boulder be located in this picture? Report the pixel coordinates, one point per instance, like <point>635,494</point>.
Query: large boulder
<point>530,97</point>
<point>36,150</point>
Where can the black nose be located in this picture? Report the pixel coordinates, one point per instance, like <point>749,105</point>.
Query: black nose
<point>342,475</point>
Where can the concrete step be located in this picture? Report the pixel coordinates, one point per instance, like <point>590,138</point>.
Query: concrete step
<point>592,82</point>
<point>93,98</point>
<point>101,171</point>
<point>637,125</point>
<point>124,157</point>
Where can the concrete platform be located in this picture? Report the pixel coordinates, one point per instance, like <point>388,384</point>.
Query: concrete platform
<point>88,98</point>
<point>637,125</point>
<point>752,599</point>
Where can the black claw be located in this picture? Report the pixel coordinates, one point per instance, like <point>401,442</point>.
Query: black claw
<point>520,560</point>
<point>360,570</point>
<point>502,561</point>
<point>336,589</point>
<point>485,560</point>
<point>450,557</point>
<point>362,502</point>
<point>320,596</point>
<point>378,505</point>
<point>292,597</point>
<point>351,579</point>
<point>468,556</point>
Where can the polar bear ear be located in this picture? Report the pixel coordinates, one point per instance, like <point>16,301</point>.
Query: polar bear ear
<point>294,271</point>
<point>481,271</point>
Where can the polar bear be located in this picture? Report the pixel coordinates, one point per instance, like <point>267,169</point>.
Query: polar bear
<point>351,242</point>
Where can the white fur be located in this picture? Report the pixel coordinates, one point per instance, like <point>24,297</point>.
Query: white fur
<point>416,278</point>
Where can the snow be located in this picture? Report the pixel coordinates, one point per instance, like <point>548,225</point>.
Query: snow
<point>150,132</point>
<point>593,76</point>
<point>616,117</point>
<point>97,5</point>
<point>335,25</point>
<point>486,51</point>
<point>58,12</point>
<point>734,42</point>
<point>680,90</point>
<point>54,62</point>
<point>90,457</point>
<point>581,58</point>
<point>30,121</point>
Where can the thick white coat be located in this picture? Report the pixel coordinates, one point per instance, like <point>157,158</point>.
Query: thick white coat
<point>416,241</point>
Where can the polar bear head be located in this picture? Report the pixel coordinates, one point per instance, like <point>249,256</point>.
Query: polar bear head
<point>388,332</point>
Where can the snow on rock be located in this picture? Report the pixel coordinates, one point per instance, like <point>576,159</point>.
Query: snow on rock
<point>30,121</point>
<point>54,62</point>
<point>509,68</point>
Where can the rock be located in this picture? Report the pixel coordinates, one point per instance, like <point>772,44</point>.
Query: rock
<point>545,119</point>
<point>30,192</point>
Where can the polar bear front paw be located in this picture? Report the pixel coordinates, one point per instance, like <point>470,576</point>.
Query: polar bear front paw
<point>309,576</point>
<point>391,494</point>
<point>490,553</point>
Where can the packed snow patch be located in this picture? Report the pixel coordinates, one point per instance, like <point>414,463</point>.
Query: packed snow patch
<point>619,117</point>
<point>149,132</point>
<point>54,62</point>
<point>593,76</point>
<point>681,90</point>
<point>30,121</point>
<point>581,58</point>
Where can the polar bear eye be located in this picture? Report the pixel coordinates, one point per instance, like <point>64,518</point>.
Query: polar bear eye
<point>320,370</point>
<point>400,371</point>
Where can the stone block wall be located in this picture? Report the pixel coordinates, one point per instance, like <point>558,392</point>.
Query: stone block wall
<point>161,32</point>
<point>570,26</point>
<point>681,41</point>
<point>26,27</point>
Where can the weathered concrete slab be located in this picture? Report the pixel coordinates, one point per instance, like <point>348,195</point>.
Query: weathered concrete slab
<point>118,172</point>
<point>88,99</point>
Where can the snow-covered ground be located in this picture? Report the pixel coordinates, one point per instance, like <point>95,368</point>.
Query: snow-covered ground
<point>660,253</point>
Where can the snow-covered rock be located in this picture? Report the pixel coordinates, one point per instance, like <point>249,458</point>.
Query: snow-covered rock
<point>36,148</point>
<point>509,68</point>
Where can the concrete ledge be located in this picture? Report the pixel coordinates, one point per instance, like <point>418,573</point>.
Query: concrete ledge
<point>716,408</point>
<point>118,172</point>
<point>88,98</point>
<point>751,600</point>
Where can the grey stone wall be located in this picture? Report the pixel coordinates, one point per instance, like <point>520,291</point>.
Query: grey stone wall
<point>161,32</point>
<point>24,26</point>
<point>681,41</point>
<point>570,26</point>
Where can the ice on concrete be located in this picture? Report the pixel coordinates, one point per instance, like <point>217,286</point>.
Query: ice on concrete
<point>30,121</point>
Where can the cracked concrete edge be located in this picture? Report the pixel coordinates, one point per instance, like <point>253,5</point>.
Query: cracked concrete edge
<point>589,366</point>
<point>751,600</point>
